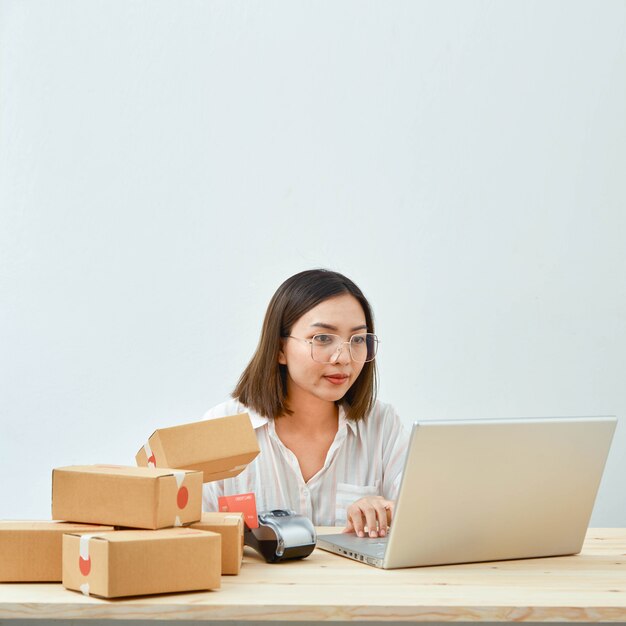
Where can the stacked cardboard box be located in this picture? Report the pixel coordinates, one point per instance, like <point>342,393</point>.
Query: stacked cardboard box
<point>220,447</point>
<point>135,497</point>
<point>31,551</point>
<point>231,528</point>
<point>137,562</point>
<point>131,562</point>
<point>162,554</point>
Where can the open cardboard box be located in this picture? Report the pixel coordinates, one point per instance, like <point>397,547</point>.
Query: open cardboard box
<point>221,448</point>
<point>139,562</point>
<point>136,497</point>
<point>31,551</point>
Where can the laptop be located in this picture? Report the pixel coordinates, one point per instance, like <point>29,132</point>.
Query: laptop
<point>489,490</point>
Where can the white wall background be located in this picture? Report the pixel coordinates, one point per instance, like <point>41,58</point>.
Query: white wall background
<point>164,165</point>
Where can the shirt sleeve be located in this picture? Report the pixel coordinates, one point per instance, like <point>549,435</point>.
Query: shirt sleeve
<point>395,447</point>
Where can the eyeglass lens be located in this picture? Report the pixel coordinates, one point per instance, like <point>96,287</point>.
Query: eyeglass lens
<point>362,347</point>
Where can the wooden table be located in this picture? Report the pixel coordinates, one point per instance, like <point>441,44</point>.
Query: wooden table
<point>589,587</point>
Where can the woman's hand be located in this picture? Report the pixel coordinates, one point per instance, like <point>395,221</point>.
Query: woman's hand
<point>369,516</point>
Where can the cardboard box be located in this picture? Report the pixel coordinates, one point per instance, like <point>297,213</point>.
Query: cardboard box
<point>136,497</point>
<point>220,447</point>
<point>230,526</point>
<point>31,551</point>
<point>139,562</point>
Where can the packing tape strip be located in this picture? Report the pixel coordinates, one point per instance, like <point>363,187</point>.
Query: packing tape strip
<point>180,477</point>
<point>83,550</point>
<point>84,546</point>
<point>148,451</point>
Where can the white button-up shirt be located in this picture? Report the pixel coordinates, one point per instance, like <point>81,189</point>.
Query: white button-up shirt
<point>365,458</point>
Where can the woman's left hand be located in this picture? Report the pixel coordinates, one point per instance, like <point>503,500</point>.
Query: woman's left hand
<point>370,515</point>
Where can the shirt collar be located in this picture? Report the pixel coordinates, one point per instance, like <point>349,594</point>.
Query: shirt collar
<point>258,420</point>
<point>344,420</point>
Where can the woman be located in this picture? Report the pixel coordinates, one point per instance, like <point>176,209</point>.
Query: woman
<point>329,449</point>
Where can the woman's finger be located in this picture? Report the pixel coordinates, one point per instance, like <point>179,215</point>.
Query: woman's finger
<point>371,521</point>
<point>381,515</point>
<point>391,507</point>
<point>356,519</point>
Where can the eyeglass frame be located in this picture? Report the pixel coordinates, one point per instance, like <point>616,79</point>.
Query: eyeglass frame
<point>339,347</point>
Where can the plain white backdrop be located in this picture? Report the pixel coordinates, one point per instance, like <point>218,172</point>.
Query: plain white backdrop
<point>165,165</point>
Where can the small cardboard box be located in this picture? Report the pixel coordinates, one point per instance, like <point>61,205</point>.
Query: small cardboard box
<point>136,497</point>
<point>220,447</point>
<point>31,551</point>
<point>230,526</point>
<point>139,562</point>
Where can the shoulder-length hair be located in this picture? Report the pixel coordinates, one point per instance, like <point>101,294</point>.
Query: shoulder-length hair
<point>263,384</point>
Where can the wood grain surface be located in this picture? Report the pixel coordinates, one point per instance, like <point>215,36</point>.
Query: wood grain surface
<point>589,587</point>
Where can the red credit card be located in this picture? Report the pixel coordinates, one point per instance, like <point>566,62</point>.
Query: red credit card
<point>241,503</point>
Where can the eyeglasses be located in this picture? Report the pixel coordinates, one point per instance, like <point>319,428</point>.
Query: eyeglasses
<point>326,348</point>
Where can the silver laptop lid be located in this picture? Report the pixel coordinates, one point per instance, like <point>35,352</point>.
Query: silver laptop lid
<point>482,490</point>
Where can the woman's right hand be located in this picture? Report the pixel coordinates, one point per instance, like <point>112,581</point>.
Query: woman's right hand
<point>369,516</point>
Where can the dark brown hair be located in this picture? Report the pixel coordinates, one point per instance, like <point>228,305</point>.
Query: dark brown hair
<point>263,384</point>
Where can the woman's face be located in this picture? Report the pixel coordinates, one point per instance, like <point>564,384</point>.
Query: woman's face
<point>341,315</point>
